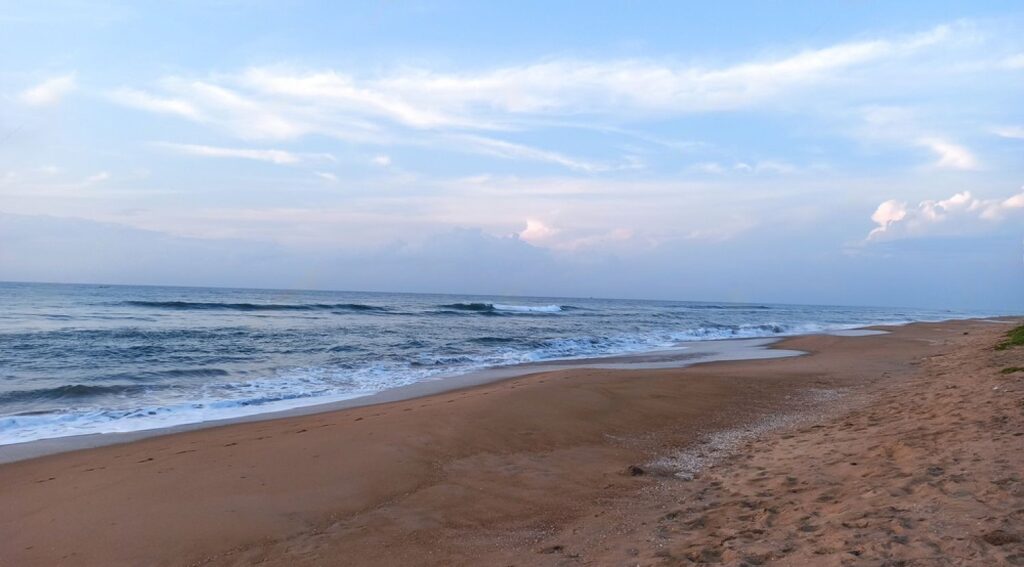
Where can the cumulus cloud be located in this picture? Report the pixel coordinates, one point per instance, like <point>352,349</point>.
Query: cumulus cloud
<point>536,232</point>
<point>50,91</point>
<point>962,213</point>
<point>279,157</point>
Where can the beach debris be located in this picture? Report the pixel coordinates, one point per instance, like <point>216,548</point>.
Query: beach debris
<point>1000,537</point>
<point>635,470</point>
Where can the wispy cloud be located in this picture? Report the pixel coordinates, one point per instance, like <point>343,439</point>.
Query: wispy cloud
<point>950,155</point>
<point>97,178</point>
<point>279,157</point>
<point>884,127</point>
<point>1015,132</point>
<point>641,86</point>
<point>468,111</point>
<point>1014,61</point>
<point>774,167</point>
<point>163,105</point>
<point>511,150</point>
<point>50,91</point>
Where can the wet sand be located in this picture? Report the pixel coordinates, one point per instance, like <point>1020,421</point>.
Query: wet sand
<point>906,446</point>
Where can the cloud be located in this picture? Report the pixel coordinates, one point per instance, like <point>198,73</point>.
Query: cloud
<point>222,107</point>
<point>536,232</point>
<point>50,91</point>
<point>711,167</point>
<point>510,150</point>
<point>145,101</point>
<point>381,160</point>
<point>97,178</point>
<point>960,214</point>
<point>279,157</point>
<point>543,235</point>
<point>1014,61</point>
<point>758,167</point>
<point>1015,132</point>
<point>951,156</point>
<point>342,92</point>
<point>327,176</point>
<point>880,127</point>
<point>463,110</point>
<point>642,86</point>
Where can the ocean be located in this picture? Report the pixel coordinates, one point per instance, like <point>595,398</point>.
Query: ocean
<point>82,359</point>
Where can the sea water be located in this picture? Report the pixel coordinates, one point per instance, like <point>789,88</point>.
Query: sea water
<point>81,359</point>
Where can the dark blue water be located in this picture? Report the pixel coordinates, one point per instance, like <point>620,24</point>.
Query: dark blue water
<point>80,359</point>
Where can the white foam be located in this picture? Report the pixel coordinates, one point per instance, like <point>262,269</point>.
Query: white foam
<point>527,308</point>
<point>303,387</point>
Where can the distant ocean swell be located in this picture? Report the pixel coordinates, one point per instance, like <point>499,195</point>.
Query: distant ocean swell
<point>201,306</point>
<point>467,307</point>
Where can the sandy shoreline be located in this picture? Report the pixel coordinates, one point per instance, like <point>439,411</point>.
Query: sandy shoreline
<point>684,354</point>
<point>901,446</point>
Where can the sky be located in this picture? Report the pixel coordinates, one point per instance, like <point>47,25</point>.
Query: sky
<point>850,152</point>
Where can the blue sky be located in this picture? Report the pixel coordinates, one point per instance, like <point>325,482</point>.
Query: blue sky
<point>854,152</point>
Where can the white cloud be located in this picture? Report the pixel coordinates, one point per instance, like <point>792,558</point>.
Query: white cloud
<point>951,156</point>
<point>342,92</point>
<point>759,167</point>
<point>1014,61</point>
<point>638,85</point>
<point>766,166</point>
<point>162,105</point>
<point>544,235</point>
<point>427,107</point>
<point>709,167</point>
<point>887,214</point>
<point>962,213</point>
<point>327,176</point>
<point>97,178</point>
<point>536,232</point>
<point>509,150</point>
<point>50,91</point>
<point>279,157</point>
<point>1015,132</point>
<point>381,160</point>
<point>907,127</point>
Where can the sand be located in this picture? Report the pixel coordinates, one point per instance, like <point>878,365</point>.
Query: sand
<point>905,448</point>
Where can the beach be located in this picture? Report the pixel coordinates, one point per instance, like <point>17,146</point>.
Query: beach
<point>906,446</point>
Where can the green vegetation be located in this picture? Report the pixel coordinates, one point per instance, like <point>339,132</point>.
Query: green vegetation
<point>1013,338</point>
<point>1012,369</point>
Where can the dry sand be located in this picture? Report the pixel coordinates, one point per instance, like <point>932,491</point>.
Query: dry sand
<point>898,449</point>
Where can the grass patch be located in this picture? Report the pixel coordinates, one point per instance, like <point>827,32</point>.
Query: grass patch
<point>1013,338</point>
<point>1012,369</point>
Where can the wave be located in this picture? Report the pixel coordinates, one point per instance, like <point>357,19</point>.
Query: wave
<point>70,392</point>
<point>505,308</point>
<point>734,306</point>
<point>200,306</point>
